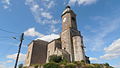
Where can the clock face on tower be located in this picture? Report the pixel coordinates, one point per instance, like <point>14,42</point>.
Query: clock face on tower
<point>64,19</point>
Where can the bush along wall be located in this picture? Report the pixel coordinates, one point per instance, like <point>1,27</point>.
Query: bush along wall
<point>51,65</point>
<point>70,65</point>
<point>60,62</point>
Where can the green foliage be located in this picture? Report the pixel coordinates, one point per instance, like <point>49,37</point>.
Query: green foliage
<point>82,62</point>
<point>106,64</point>
<point>63,63</point>
<point>70,65</point>
<point>51,65</point>
<point>97,65</point>
<point>64,60</point>
<point>89,66</point>
<point>60,62</point>
<point>57,59</point>
<point>77,63</point>
<point>25,67</point>
<point>36,65</point>
<point>20,65</point>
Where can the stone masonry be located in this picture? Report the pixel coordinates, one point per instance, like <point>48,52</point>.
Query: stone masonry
<point>69,45</point>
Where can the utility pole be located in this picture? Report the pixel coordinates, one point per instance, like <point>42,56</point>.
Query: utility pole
<point>21,40</point>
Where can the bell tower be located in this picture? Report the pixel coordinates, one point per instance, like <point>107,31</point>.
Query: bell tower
<point>71,38</point>
<point>68,19</point>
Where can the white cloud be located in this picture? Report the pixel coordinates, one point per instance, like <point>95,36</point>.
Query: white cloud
<point>5,66</point>
<point>114,47</point>
<point>106,26</point>
<point>112,51</point>
<point>46,15</point>
<point>116,66</point>
<point>41,11</point>
<point>109,56</point>
<point>49,37</point>
<point>50,4</point>
<point>35,7</point>
<point>82,2</point>
<point>89,28</point>
<point>5,62</point>
<point>5,6</point>
<point>93,59</point>
<point>55,21</point>
<point>72,2</point>
<point>53,29</point>
<point>2,66</point>
<point>32,32</point>
<point>13,56</point>
<point>17,44</point>
<point>9,61</point>
<point>6,3</point>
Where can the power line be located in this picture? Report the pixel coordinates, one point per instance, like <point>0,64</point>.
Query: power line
<point>14,37</point>
<point>12,33</point>
<point>9,31</point>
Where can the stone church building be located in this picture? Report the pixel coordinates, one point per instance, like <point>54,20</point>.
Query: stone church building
<point>69,45</point>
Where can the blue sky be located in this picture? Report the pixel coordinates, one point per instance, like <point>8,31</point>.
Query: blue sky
<point>98,21</point>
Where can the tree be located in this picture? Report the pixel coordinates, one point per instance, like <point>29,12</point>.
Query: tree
<point>20,66</point>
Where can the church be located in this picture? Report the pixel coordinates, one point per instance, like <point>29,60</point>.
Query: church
<point>69,45</point>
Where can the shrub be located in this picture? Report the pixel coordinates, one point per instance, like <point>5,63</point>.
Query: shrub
<point>20,65</point>
<point>89,66</point>
<point>70,65</point>
<point>97,65</point>
<point>82,62</point>
<point>55,58</point>
<point>106,64</point>
<point>25,67</point>
<point>77,63</point>
<point>36,65</point>
<point>63,63</point>
<point>51,65</point>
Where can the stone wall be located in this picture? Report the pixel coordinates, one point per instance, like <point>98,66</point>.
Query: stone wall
<point>29,55</point>
<point>67,42</point>
<point>50,49</point>
<point>78,49</point>
<point>53,47</point>
<point>37,53</point>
